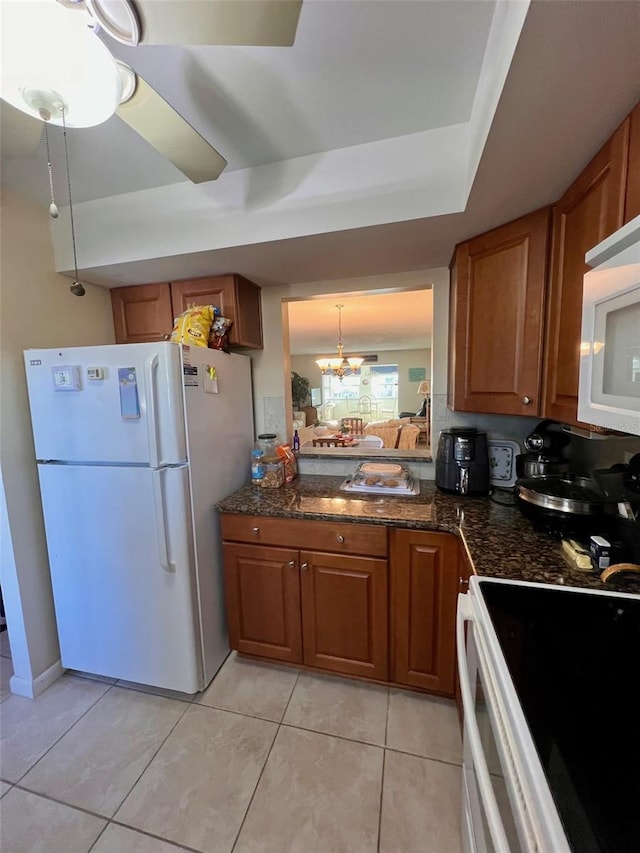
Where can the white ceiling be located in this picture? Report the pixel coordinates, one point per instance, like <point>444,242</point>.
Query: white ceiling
<point>370,323</point>
<point>361,71</point>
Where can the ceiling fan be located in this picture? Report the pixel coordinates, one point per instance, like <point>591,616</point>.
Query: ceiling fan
<point>48,39</point>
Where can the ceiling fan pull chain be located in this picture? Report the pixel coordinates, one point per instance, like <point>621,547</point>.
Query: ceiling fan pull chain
<point>53,208</point>
<point>77,288</point>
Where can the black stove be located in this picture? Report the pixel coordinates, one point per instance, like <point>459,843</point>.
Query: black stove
<point>574,658</point>
<point>564,525</point>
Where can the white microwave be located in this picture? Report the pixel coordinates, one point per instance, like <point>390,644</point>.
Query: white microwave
<point>609,389</point>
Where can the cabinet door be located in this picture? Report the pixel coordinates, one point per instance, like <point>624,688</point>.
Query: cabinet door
<point>237,297</point>
<point>424,589</point>
<point>344,613</point>
<point>590,210</point>
<point>262,593</point>
<point>249,313</point>
<point>632,197</point>
<point>141,313</point>
<point>497,320</point>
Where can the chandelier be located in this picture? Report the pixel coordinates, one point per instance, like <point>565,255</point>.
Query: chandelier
<point>341,365</point>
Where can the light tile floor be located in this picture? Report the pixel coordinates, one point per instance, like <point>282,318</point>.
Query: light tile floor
<point>267,760</point>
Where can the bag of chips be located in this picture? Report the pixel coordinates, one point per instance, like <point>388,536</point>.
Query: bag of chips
<point>193,326</point>
<point>219,331</point>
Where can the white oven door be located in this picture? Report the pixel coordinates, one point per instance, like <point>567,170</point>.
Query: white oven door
<point>494,817</point>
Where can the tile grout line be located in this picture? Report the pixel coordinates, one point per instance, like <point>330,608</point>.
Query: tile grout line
<point>257,785</point>
<point>244,819</point>
<point>52,799</point>
<point>100,834</point>
<point>66,731</point>
<point>384,762</point>
<point>81,808</point>
<point>176,844</point>
<point>286,708</point>
<point>148,764</point>
<point>386,722</point>
<point>423,757</point>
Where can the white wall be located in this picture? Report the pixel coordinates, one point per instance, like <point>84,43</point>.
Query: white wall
<point>37,310</point>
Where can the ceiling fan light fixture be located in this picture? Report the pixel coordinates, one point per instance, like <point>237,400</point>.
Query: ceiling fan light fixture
<point>118,18</point>
<point>129,81</point>
<point>57,64</point>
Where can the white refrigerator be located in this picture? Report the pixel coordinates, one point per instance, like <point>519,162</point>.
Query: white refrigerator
<point>135,444</point>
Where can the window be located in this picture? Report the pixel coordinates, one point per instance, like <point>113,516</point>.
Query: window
<point>384,384</point>
<point>334,389</point>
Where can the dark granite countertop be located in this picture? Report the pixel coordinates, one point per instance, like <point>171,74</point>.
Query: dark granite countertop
<point>500,541</point>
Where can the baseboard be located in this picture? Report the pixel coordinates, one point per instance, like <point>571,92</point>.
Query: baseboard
<point>32,688</point>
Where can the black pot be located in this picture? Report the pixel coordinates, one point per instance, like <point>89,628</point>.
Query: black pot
<point>569,495</point>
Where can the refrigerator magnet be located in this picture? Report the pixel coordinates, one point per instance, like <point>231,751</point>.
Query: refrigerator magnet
<point>210,379</point>
<point>129,402</point>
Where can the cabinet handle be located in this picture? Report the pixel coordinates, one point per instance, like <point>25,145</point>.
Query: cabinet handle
<point>304,566</point>
<point>292,564</point>
<point>464,582</point>
<point>255,530</point>
<point>340,539</point>
<point>526,401</point>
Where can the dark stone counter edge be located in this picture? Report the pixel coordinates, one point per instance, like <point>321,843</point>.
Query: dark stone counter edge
<point>532,557</point>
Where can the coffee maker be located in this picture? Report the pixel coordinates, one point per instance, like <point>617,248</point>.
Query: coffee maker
<point>545,447</point>
<point>462,462</point>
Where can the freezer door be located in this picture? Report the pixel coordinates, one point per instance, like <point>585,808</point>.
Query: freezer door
<point>112,404</point>
<point>122,569</point>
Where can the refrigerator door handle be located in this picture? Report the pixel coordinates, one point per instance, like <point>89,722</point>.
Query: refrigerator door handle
<point>150,368</point>
<point>161,523</point>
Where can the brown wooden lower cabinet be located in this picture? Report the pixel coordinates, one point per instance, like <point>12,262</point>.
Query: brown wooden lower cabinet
<point>324,609</point>
<point>262,588</point>
<point>425,581</point>
<point>340,611</point>
<point>344,613</point>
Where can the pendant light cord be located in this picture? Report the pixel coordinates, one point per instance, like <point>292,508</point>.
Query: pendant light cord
<point>53,210</point>
<point>73,230</point>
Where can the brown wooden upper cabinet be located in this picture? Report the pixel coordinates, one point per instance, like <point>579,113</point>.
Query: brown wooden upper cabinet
<point>496,318</point>
<point>141,313</point>
<point>236,296</point>
<point>591,209</point>
<point>146,312</point>
<point>632,200</point>
<point>505,356</point>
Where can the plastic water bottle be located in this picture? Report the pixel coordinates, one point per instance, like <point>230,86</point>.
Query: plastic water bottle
<point>257,466</point>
